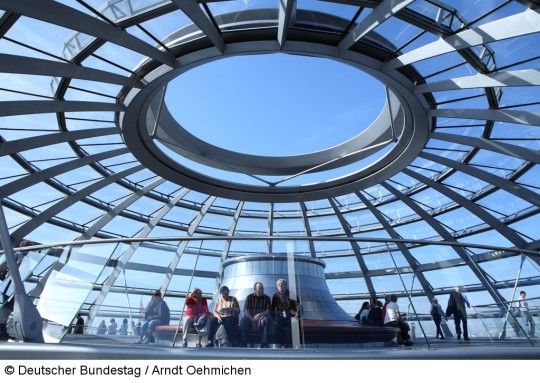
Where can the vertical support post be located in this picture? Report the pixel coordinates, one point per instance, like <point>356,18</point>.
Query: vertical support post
<point>296,334</point>
<point>27,323</point>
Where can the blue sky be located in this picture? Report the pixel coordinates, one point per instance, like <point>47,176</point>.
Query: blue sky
<point>275,104</point>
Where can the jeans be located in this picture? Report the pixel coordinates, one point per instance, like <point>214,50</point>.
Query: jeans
<point>246,324</point>
<point>148,327</point>
<point>528,320</point>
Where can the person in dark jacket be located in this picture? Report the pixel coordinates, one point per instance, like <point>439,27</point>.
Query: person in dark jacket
<point>456,306</point>
<point>437,314</point>
<point>283,309</point>
<point>375,316</point>
<point>156,313</point>
<point>79,325</point>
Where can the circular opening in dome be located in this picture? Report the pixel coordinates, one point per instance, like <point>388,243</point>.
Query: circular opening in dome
<point>275,104</point>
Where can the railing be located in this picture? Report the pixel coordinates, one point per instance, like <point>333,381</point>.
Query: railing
<point>491,322</point>
<point>79,277</point>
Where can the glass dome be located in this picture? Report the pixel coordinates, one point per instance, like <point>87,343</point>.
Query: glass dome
<point>432,188</point>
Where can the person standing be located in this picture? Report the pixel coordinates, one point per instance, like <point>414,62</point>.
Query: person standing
<point>383,309</point>
<point>111,330</point>
<point>437,314</point>
<point>523,310</point>
<point>123,327</point>
<point>256,314</point>
<point>79,325</point>
<point>102,328</point>
<point>283,308</point>
<point>456,306</point>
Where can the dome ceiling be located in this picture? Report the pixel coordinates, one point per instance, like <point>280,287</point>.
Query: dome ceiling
<point>442,187</point>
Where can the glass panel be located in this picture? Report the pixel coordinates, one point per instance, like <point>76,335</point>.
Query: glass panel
<point>324,225</point>
<point>252,225</point>
<point>68,288</point>
<point>343,10</point>
<point>527,227</point>
<point>328,247</point>
<point>30,265</point>
<point>288,226</point>
<point>433,253</point>
<point>492,237</point>
<point>216,222</point>
<point>417,230</point>
<point>341,265</point>
<point>362,220</point>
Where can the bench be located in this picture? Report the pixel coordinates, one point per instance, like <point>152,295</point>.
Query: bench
<point>314,332</point>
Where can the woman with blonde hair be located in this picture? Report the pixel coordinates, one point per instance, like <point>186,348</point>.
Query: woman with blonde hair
<point>197,315</point>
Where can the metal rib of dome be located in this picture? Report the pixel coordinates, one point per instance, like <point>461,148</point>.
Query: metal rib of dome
<point>456,200</point>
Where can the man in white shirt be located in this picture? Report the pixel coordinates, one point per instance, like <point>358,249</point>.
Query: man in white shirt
<point>522,308</point>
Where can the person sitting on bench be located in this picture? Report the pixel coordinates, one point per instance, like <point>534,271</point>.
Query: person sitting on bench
<point>283,308</point>
<point>226,312</point>
<point>157,313</point>
<point>256,314</point>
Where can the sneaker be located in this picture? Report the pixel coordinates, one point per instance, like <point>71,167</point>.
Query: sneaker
<point>459,336</point>
<point>199,345</point>
<point>409,343</point>
<point>209,344</point>
<point>147,340</point>
<point>184,343</point>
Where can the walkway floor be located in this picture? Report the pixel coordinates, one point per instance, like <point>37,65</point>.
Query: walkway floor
<point>91,347</point>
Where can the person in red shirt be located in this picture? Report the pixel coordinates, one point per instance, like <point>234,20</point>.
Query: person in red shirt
<point>196,310</point>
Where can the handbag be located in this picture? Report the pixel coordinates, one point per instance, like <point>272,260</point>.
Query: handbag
<point>201,323</point>
<point>221,338</point>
